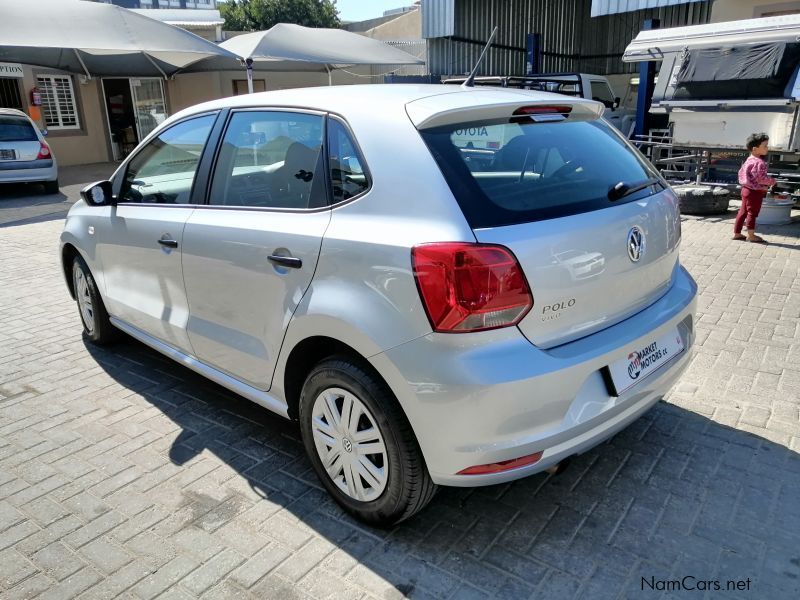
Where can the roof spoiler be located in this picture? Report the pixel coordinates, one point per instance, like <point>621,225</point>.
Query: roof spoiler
<point>450,109</point>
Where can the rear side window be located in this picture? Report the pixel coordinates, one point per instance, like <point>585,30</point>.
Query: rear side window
<point>348,176</point>
<point>16,129</point>
<point>271,160</point>
<point>514,171</point>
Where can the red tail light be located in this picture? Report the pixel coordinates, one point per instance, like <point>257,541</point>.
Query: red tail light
<point>44,151</point>
<point>470,287</point>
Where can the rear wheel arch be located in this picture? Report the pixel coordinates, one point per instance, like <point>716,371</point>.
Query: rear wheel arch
<point>305,355</point>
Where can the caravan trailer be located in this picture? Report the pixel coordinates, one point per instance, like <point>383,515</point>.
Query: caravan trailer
<point>720,82</point>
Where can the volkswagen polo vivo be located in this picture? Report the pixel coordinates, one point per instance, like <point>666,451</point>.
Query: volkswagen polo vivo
<point>341,257</point>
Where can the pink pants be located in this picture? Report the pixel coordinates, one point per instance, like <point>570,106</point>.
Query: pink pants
<point>751,206</point>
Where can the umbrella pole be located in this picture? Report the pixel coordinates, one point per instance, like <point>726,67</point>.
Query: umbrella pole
<point>330,79</point>
<point>249,63</point>
<point>80,60</point>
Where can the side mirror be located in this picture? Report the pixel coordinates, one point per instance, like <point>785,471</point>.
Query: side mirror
<point>616,103</point>
<point>97,194</point>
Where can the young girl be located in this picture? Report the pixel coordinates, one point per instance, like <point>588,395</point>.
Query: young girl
<point>754,181</point>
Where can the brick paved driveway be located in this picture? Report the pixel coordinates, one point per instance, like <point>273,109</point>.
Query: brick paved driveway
<point>123,474</point>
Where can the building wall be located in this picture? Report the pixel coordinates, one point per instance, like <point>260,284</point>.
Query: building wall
<point>93,145</point>
<point>86,145</point>
<point>193,88</point>
<point>571,39</point>
<point>735,10</point>
<point>404,32</point>
<point>189,89</point>
<point>407,26</point>
<point>207,33</point>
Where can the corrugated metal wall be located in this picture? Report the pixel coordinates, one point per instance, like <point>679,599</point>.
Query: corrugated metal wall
<point>571,39</point>
<point>437,18</point>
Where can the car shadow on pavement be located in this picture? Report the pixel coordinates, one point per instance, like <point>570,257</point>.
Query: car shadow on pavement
<point>22,204</point>
<point>674,497</point>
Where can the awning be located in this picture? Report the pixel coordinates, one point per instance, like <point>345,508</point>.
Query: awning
<point>654,44</point>
<point>318,48</point>
<point>612,7</point>
<point>293,48</point>
<point>100,40</point>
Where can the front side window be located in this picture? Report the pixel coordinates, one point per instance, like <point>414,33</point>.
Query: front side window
<point>512,171</point>
<point>163,171</point>
<point>58,101</point>
<point>271,160</point>
<point>347,167</point>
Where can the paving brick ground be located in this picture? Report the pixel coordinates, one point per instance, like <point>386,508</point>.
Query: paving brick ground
<point>123,474</point>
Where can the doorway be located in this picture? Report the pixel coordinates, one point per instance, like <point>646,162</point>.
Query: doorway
<point>135,107</point>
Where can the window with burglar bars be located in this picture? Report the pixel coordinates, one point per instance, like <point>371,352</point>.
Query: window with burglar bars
<point>9,93</point>
<point>58,102</point>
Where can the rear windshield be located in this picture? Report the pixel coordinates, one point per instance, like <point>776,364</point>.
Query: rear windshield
<point>517,171</point>
<point>16,129</point>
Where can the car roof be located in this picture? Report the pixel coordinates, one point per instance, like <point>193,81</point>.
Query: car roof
<point>13,112</point>
<point>378,98</point>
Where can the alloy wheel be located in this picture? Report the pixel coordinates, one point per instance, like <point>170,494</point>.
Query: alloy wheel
<point>84,299</point>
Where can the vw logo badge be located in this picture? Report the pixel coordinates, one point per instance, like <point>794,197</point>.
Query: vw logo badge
<point>635,243</point>
<point>348,446</point>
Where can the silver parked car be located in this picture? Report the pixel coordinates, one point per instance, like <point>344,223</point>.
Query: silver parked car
<point>339,256</point>
<point>24,155</point>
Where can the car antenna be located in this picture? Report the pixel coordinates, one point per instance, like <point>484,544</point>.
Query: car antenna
<point>470,82</point>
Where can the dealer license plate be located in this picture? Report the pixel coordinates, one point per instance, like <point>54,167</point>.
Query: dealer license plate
<point>643,361</point>
<point>7,154</point>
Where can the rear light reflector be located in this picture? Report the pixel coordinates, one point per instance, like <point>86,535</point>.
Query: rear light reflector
<point>44,151</point>
<point>504,465</point>
<point>470,287</point>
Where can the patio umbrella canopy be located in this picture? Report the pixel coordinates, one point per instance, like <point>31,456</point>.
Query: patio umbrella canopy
<point>100,40</point>
<point>287,47</point>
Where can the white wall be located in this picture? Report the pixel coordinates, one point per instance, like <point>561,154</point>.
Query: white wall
<point>735,10</point>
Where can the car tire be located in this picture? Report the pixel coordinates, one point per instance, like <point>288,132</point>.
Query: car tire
<point>702,200</point>
<point>51,187</point>
<point>96,325</point>
<point>397,484</point>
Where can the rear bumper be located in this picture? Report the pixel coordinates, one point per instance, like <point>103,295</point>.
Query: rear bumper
<point>488,397</point>
<point>26,171</point>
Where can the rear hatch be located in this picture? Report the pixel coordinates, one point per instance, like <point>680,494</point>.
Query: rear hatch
<point>543,186</point>
<point>18,139</point>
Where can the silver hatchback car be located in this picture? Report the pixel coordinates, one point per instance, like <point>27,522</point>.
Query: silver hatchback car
<point>444,286</point>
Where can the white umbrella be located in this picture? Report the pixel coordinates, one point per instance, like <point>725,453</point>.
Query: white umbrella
<point>100,39</point>
<point>287,47</point>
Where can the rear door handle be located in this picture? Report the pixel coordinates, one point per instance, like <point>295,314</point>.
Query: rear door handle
<point>285,261</point>
<point>168,243</point>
